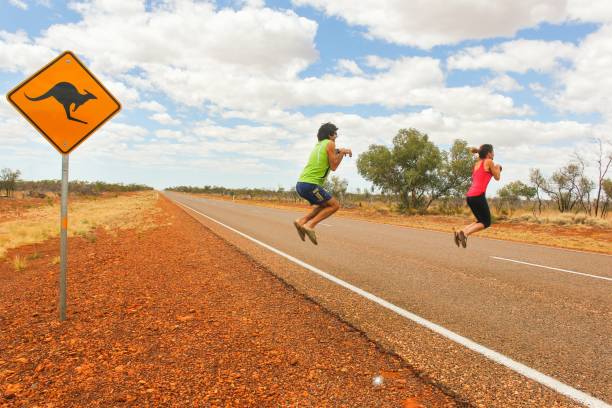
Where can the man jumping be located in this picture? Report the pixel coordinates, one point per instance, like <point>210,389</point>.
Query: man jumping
<point>323,157</point>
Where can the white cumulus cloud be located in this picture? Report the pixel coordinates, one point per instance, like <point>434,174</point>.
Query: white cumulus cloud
<point>164,118</point>
<point>19,53</point>
<point>153,106</point>
<point>503,83</point>
<point>346,66</point>
<point>589,10</point>
<point>427,23</point>
<point>515,56</point>
<point>19,3</point>
<point>587,87</point>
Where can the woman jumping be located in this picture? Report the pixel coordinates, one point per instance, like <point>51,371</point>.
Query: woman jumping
<point>483,170</point>
<point>324,156</point>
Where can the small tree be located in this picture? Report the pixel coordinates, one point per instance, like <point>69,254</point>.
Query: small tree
<point>538,182</point>
<point>606,186</point>
<point>409,170</point>
<point>455,172</point>
<point>8,180</point>
<point>459,168</point>
<point>336,186</point>
<point>563,187</point>
<point>512,193</point>
<point>603,163</point>
<point>419,162</point>
<point>377,165</point>
<point>584,186</point>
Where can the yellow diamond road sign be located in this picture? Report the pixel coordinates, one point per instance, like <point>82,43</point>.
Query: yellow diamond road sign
<point>65,102</point>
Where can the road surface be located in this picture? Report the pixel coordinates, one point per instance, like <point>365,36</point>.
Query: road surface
<point>546,309</point>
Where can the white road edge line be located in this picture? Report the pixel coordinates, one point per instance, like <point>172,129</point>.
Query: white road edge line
<point>550,267</point>
<point>515,366</point>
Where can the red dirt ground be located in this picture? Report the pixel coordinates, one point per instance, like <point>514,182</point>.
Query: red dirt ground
<point>175,316</point>
<point>12,208</point>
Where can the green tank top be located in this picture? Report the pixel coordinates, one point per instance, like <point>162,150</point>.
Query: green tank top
<point>317,167</point>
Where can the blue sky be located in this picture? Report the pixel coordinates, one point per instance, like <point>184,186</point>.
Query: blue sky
<point>232,92</point>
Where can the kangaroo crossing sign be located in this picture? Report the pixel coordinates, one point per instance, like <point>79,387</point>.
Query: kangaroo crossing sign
<point>65,102</point>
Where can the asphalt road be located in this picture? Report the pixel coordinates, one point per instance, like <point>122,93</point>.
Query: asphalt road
<point>549,309</point>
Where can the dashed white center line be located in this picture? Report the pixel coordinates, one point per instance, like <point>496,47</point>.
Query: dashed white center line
<point>554,269</point>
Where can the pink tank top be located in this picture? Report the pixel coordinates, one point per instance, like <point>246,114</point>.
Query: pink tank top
<point>480,181</point>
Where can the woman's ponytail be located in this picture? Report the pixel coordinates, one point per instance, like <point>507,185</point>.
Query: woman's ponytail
<point>482,151</point>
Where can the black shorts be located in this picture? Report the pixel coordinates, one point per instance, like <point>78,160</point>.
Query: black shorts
<point>480,208</point>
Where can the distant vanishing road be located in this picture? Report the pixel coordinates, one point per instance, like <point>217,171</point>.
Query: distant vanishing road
<point>547,309</point>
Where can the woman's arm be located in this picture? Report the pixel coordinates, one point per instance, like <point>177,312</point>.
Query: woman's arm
<point>333,157</point>
<point>494,169</point>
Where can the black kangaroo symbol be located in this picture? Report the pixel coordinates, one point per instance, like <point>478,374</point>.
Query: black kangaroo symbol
<point>66,94</point>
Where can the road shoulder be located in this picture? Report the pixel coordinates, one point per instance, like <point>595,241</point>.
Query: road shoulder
<point>173,315</point>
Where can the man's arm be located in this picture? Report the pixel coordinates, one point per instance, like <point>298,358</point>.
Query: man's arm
<point>333,157</point>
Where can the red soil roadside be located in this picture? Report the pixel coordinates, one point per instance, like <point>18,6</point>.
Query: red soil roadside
<point>175,316</point>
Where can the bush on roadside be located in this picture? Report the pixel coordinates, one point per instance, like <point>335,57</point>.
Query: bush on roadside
<point>42,187</point>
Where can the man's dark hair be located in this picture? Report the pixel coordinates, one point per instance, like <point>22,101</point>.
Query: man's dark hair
<point>326,130</point>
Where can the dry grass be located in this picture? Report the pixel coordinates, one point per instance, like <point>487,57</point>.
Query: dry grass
<point>127,211</point>
<point>33,256</point>
<point>19,263</point>
<point>557,218</point>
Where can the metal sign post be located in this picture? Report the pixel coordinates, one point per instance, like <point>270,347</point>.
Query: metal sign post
<point>63,239</point>
<point>48,100</point>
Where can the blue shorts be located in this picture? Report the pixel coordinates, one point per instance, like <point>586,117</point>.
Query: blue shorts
<point>314,193</point>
